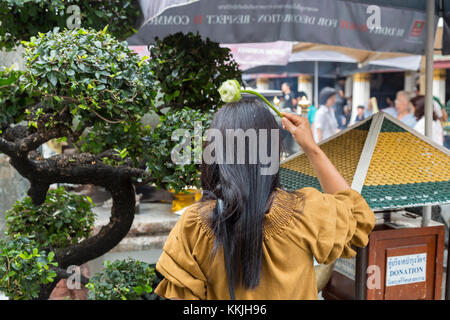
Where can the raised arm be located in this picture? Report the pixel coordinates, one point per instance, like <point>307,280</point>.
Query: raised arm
<point>329,177</point>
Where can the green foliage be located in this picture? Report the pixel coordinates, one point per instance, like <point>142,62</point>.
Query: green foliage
<point>22,19</point>
<point>168,174</point>
<point>191,70</point>
<point>15,95</point>
<point>98,81</point>
<point>23,267</point>
<point>63,219</point>
<point>89,71</point>
<point>122,280</point>
<point>123,136</point>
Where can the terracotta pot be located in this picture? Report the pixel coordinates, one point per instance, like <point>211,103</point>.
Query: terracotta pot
<point>183,199</point>
<point>62,292</point>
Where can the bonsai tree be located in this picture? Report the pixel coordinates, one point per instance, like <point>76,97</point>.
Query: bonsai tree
<point>24,268</point>
<point>160,145</point>
<point>22,19</point>
<point>123,280</point>
<point>190,71</point>
<point>34,233</point>
<point>87,88</point>
<point>62,220</point>
<point>91,90</point>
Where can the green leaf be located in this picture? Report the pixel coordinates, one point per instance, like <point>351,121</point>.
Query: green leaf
<point>52,78</point>
<point>139,290</point>
<point>51,255</point>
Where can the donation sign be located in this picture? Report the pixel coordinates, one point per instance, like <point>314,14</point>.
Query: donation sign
<point>406,269</point>
<point>346,267</point>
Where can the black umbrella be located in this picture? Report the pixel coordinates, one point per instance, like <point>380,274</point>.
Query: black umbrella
<point>334,22</point>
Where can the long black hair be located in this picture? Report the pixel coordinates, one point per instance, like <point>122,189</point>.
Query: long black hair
<point>419,107</point>
<point>242,192</point>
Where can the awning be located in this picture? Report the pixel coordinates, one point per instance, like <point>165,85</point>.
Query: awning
<point>250,55</point>
<point>333,22</point>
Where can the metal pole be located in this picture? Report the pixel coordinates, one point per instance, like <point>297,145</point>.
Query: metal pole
<point>429,51</point>
<point>426,216</point>
<point>316,84</point>
<point>447,280</point>
<point>362,256</point>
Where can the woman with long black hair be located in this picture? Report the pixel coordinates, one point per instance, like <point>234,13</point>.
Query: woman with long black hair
<point>249,239</point>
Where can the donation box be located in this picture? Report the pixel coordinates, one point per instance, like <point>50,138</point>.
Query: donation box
<point>404,261</point>
<point>394,168</point>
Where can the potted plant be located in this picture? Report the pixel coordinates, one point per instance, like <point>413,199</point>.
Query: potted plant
<point>24,267</point>
<point>189,72</point>
<point>181,179</point>
<point>84,87</point>
<point>124,280</point>
<point>34,233</point>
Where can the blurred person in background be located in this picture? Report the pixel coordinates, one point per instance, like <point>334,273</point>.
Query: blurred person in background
<point>288,98</point>
<point>346,117</point>
<point>369,110</point>
<point>438,107</point>
<point>340,99</point>
<point>360,114</point>
<point>446,126</point>
<point>390,109</point>
<point>419,111</point>
<point>403,109</point>
<point>325,123</point>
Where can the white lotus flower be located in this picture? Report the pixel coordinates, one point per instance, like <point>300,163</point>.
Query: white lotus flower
<point>230,91</point>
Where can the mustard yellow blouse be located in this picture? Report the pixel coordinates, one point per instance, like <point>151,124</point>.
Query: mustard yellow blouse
<point>299,226</point>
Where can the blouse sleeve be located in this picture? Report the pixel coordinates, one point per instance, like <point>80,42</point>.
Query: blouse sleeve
<point>329,224</point>
<point>183,277</point>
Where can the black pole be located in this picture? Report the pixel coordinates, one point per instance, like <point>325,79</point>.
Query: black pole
<point>361,273</point>
<point>447,280</point>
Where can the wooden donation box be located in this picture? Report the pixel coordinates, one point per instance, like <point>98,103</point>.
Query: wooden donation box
<point>394,168</point>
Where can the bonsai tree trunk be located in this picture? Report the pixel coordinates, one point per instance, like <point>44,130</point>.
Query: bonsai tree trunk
<point>81,168</point>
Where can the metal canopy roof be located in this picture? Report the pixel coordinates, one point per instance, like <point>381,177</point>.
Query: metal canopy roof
<point>390,164</point>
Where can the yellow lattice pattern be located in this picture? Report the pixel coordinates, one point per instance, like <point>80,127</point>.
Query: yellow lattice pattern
<point>401,158</point>
<point>343,151</point>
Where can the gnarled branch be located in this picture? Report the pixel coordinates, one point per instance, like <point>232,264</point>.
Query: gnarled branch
<point>35,140</point>
<point>81,168</point>
<point>122,215</point>
<point>8,148</point>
